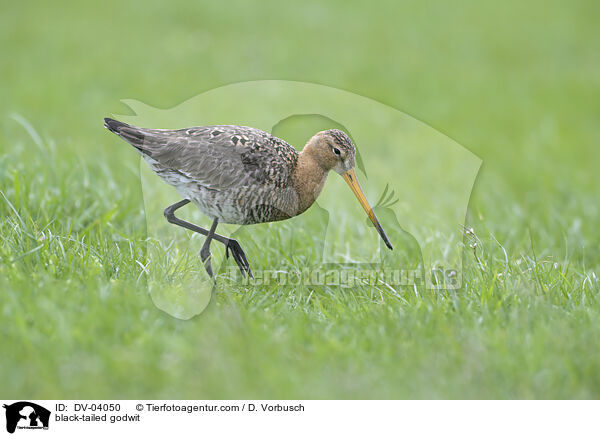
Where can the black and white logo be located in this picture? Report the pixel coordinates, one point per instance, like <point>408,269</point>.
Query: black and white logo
<point>26,415</point>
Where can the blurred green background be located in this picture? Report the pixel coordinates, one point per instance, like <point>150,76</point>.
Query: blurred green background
<point>516,83</point>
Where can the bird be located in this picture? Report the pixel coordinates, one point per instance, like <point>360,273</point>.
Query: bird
<point>243,175</point>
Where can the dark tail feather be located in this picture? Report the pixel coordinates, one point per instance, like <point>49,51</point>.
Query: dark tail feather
<point>131,134</point>
<point>114,125</point>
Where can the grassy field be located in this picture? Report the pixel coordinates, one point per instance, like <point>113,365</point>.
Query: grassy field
<point>516,83</point>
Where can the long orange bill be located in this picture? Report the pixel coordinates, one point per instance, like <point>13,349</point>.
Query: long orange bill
<point>350,178</point>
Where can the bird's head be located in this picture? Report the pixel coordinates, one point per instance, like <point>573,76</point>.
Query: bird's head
<point>334,150</point>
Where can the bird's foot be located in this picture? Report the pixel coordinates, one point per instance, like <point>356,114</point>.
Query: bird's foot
<point>239,256</point>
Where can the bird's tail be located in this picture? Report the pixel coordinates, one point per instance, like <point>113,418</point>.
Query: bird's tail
<point>114,125</point>
<point>134,135</point>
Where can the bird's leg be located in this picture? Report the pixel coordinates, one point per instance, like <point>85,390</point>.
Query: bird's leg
<point>230,244</point>
<point>205,251</point>
<point>238,255</point>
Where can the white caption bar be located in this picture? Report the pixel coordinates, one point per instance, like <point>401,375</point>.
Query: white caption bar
<point>300,417</point>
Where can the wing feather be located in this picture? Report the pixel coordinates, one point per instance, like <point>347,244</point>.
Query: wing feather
<point>218,157</point>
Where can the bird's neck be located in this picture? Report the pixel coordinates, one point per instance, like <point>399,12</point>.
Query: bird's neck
<point>309,178</point>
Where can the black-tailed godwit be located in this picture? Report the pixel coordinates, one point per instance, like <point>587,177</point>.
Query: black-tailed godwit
<point>242,175</point>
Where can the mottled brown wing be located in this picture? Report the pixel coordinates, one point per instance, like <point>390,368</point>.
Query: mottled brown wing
<point>218,157</point>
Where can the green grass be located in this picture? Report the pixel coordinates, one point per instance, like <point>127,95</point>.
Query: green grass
<point>517,84</point>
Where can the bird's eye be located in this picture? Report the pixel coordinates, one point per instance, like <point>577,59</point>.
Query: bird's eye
<point>337,151</point>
